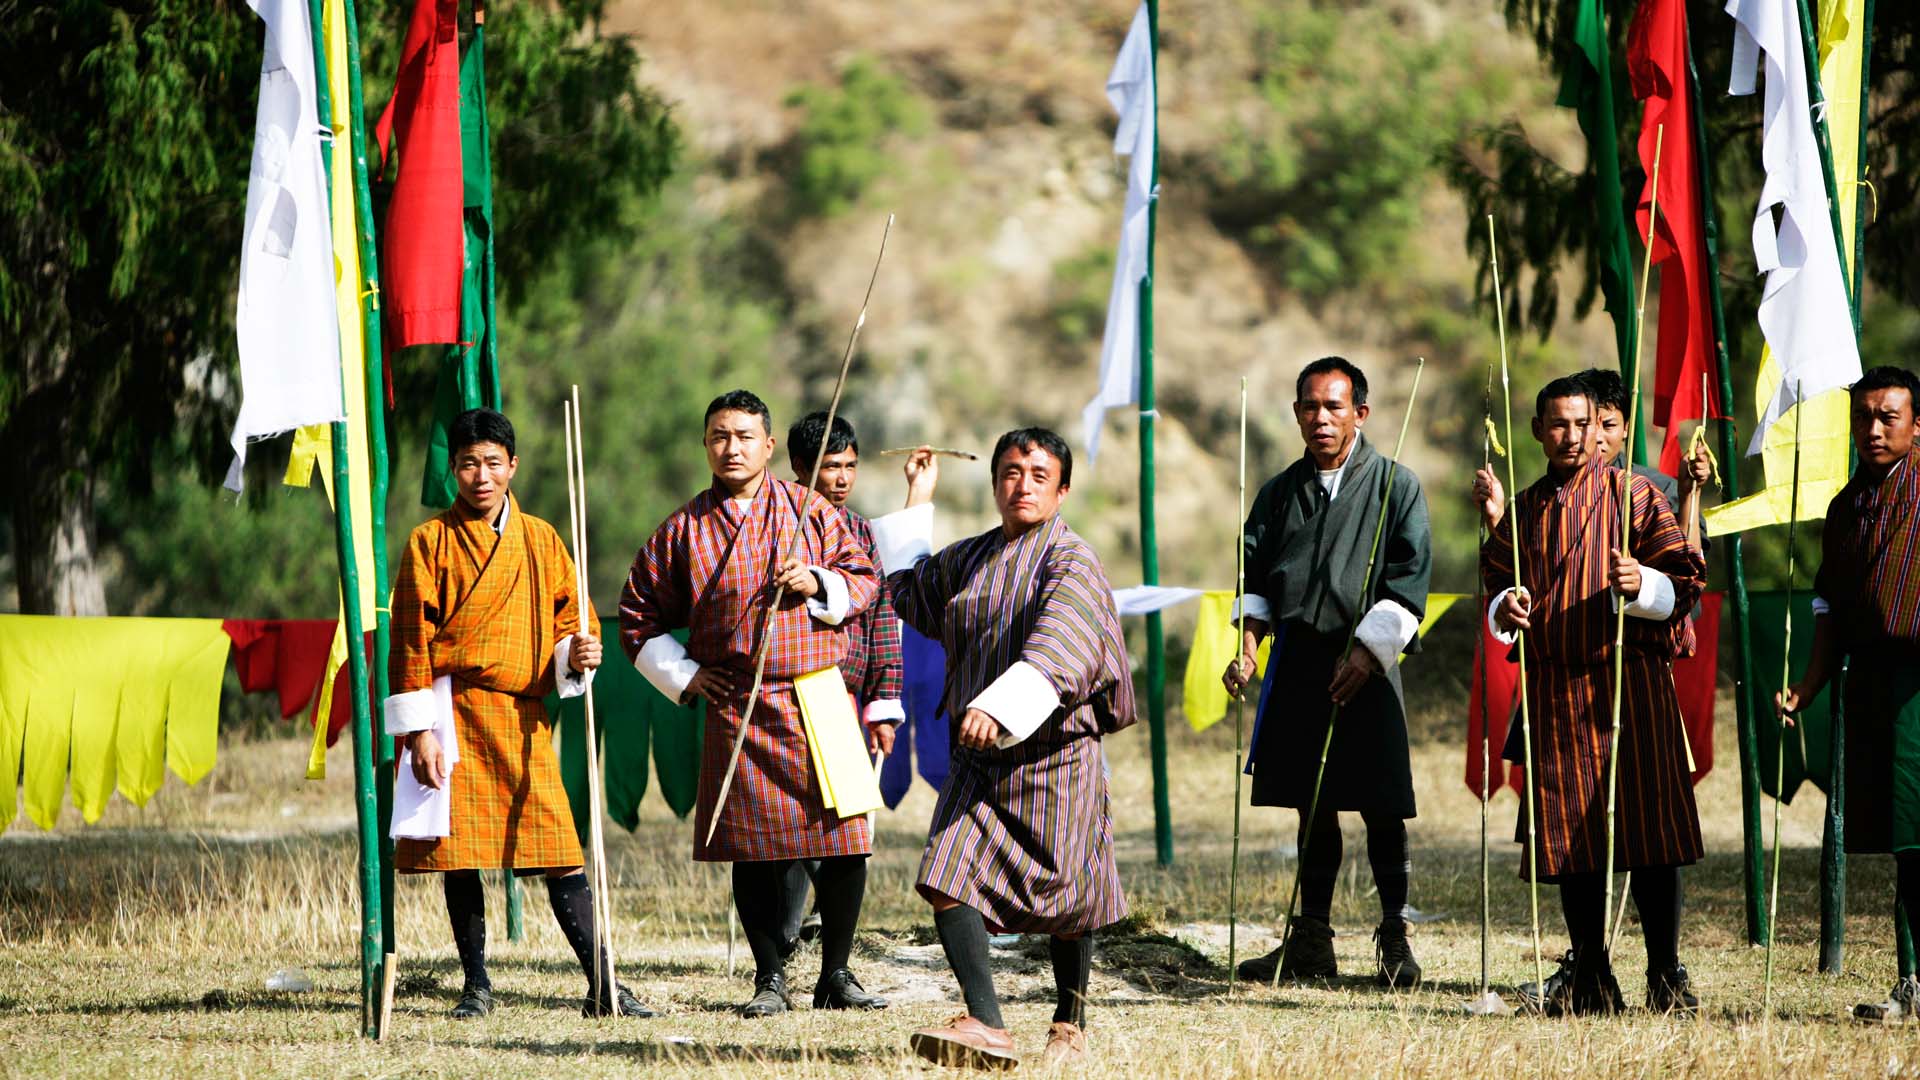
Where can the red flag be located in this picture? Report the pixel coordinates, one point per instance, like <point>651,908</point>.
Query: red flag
<point>288,656</point>
<point>1694,680</point>
<point>1502,681</point>
<point>421,242</point>
<point>1657,63</point>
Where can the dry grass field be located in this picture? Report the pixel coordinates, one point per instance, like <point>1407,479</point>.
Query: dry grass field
<point>142,947</point>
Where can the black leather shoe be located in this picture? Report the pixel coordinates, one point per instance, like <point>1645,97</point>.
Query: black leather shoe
<point>473,1005</point>
<point>1309,952</point>
<point>838,989</point>
<point>624,1004</point>
<point>1672,992</point>
<point>1583,986</point>
<point>769,997</point>
<point>1397,967</point>
<point>1260,968</point>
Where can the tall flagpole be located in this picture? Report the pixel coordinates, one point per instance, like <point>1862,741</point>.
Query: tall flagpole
<point>366,802</point>
<point>1149,537</point>
<point>1239,702</point>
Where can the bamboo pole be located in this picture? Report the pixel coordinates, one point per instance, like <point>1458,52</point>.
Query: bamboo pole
<point>1239,704</point>
<point>596,858</point>
<point>1487,1003</point>
<point>1333,715</point>
<point>1149,533</point>
<point>1780,726</point>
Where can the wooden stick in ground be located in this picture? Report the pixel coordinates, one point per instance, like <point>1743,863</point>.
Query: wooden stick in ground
<point>1333,715</point>
<point>602,886</point>
<point>386,1000</point>
<point>1487,1003</point>
<point>1780,744</point>
<point>1239,705</point>
<point>1520,637</point>
<point>1626,532</point>
<point>780,592</point>
<point>602,976</point>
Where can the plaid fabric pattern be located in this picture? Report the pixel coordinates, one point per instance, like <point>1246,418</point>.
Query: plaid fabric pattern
<point>487,610</point>
<point>710,568</point>
<point>873,663</point>
<point>1024,835</point>
<point>1567,534</point>
<point>1870,560</point>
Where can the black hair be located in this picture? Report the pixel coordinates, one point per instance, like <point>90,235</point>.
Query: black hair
<point>1328,365</point>
<point>1888,377</point>
<point>1563,387</point>
<point>479,426</point>
<point>1605,386</point>
<point>1027,438</point>
<point>804,437</point>
<point>745,401</point>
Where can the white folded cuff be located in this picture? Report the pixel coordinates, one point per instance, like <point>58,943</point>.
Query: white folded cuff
<point>569,683</point>
<point>1656,596</point>
<point>410,712</point>
<point>1256,608</point>
<point>831,604</point>
<point>884,711</point>
<point>1021,699</point>
<point>1504,637</point>
<point>665,663</point>
<point>904,537</point>
<point>1385,631</point>
<point>1821,607</point>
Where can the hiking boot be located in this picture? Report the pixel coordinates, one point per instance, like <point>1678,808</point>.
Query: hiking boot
<point>1397,967</point>
<point>1309,951</point>
<point>473,1004</point>
<point>838,989</point>
<point>965,1042</point>
<point>1066,1044</point>
<point>1583,986</point>
<point>1671,991</point>
<point>769,996</point>
<point>623,1003</point>
<point>1902,1004</point>
<point>1260,968</point>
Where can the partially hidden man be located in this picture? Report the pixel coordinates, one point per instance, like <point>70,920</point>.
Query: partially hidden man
<point>1307,540</point>
<point>712,568</point>
<point>486,624</point>
<point>1021,838</point>
<point>1867,611</point>
<point>1575,575</point>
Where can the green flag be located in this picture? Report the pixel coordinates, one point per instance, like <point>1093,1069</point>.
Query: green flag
<point>634,722</point>
<point>1807,745</point>
<point>1587,88</point>
<point>470,370</point>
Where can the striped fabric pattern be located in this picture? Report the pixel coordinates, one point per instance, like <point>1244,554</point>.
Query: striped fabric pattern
<point>873,664</point>
<point>710,568</point>
<point>487,610</point>
<point>1024,834</point>
<point>1567,534</point>
<point>1870,562</point>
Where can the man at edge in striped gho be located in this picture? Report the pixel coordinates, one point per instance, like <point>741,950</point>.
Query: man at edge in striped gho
<point>1037,673</point>
<point>1577,576</point>
<point>1867,610</point>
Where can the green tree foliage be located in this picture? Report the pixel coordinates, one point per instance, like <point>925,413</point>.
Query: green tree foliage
<point>1357,104</point>
<point>125,135</point>
<point>839,147</point>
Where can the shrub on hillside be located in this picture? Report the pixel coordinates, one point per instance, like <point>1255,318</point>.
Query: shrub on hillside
<point>838,148</point>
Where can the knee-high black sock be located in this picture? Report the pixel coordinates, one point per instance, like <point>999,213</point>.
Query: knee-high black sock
<point>841,886</point>
<point>467,911</point>
<point>963,935</point>
<point>572,900</point>
<point>1585,910</point>
<point>1906,903</point>
<point>1072,966</point>
<point>758,892</point>
<point>1320,856</point>
<point>1656,895</point>
<point>796,888</point>
<point>1392,865</point>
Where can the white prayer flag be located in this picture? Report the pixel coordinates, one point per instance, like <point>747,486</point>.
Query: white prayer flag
<point>1130,88</point>
<point>285,319</point>
<point>1803,308</point>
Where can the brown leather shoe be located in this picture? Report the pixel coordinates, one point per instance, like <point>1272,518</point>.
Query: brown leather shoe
<point>965,1043</point>
<point>1066,1044</point>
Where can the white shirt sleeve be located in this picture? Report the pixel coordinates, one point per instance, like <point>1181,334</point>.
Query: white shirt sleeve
<point>568,682</point>
<point>1021,699</point>
<point>904,537</point>
<point>1504,637</point>
<point>1656,596</point>
<point>1257,608</point>
<point>831,604</point>
<point>410,712</point>
<point>1385,630</point>
<point>885,711</point>
<point>663,660</point>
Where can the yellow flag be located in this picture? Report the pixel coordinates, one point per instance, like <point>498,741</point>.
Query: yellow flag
<point>1821,423</point>
<point>1214,647</point>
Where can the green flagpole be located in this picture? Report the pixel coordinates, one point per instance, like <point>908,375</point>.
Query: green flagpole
<point>366,802</point>
<point>1752,844</point>
<point>377,438</point>
<point>1149,539</point>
